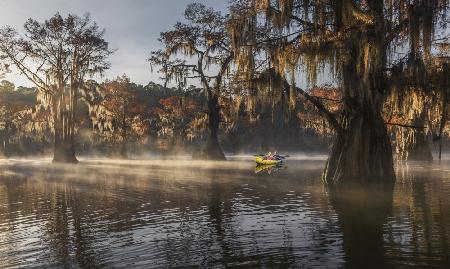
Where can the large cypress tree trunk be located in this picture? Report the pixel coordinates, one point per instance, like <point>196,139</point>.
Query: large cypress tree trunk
<point>64,146</point>
<point>212,149</point>
<point>64,127</point>
<point>362,150</point>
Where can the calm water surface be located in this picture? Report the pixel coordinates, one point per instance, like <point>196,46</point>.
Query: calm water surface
<point>160,214</point>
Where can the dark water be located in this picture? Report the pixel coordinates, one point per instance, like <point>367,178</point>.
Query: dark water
<point>150,214</point>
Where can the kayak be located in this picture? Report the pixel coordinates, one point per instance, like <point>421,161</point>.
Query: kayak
<point>269,168</point>
<point>264,167</point>
<point>260,160</point>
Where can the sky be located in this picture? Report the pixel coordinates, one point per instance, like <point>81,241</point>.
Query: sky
<point>132,27</point>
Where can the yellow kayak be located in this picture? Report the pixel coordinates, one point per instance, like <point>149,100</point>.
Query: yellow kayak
<point>260,160</point>
<point>264,167</point>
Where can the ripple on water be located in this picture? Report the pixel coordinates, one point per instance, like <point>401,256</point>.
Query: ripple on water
<point>154,214</point>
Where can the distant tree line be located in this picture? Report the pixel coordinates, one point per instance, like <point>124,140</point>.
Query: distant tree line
<point>121,117</point>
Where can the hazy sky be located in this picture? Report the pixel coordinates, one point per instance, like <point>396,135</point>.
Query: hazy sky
<point>132,26</point>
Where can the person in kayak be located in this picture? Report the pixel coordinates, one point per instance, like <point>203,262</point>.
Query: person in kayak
<point>270,156</point>
<point>276,156</point>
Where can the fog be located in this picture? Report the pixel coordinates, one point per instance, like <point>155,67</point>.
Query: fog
<point>146,164</point>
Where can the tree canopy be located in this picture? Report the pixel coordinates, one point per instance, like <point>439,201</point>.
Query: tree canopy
<point>57,55</point>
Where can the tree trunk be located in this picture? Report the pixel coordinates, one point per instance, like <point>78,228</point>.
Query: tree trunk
<point>4,135</point>
<point>2,146</point>
<point>123,149</point>
<point>64,127</point>
<point>445,88</point>
<point>64,150</point>
<point>212,149</point>
<point>362,150</point>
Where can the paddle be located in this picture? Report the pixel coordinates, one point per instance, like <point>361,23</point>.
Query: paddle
<point>281,156</point>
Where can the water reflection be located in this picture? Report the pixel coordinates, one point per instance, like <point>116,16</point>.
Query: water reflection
<point>158,215</point>
<point>269,168</point>
<point>419,227</point>
<point>362,211</point>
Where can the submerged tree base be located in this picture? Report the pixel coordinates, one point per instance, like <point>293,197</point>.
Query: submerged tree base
<point>362,152</point>
<point>65,159</point>
<point>211,151</point>
<point>64,154</point>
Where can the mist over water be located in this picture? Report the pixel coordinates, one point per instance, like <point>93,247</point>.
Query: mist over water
<point>170,213</point>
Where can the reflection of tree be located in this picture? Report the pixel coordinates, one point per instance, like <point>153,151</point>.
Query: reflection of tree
<point>171,217</point>
<point>84,237</point>
<point>50,209</point>
<point>207,217</point>
<point>422,204</point>
<point>219,207</point>
<point>57,230</point>
<point>362,211</point>
<point>239,213</point>
<point>8,213</point>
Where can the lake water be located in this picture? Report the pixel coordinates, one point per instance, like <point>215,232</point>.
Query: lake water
<point>160,214</point>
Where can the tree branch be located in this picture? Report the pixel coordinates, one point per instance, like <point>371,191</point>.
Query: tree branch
<point>329,116</point>
<point>405,125</point>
